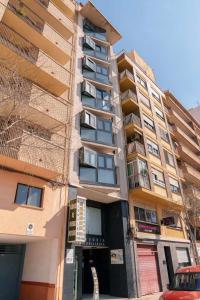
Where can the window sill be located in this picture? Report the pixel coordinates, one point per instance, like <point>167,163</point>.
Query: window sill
<point>29,206</point>
<point>160,185</point>
<point>174,227</point>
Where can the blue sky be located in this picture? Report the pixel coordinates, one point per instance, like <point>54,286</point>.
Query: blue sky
<point>166,33</point>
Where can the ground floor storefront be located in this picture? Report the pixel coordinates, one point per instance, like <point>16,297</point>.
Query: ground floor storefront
<point>156,263</point>
<point>107,251</point>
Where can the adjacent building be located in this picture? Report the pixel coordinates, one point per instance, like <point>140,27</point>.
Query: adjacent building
<point>37,40</point>
<point>156,202</point>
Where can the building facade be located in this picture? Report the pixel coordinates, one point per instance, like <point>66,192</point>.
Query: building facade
<point>97,165</point>
<point>37,41</point>
<point>185,130</point>
<point>155,191</point>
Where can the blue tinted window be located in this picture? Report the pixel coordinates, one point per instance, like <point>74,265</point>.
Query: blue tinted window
<point>28,195</point>
<point>22,194</point>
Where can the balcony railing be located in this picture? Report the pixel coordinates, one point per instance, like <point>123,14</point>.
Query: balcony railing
<point>18,44</point>
<point>129,94</point>
<point>98,136</point>
<point>139,180</point>
<point>27,15</point>
<point>132,119</point>
<point>96,76</point>
<point>126,73</point>
<point>99,36</point>
<point>135,147</point>
<point>104,105</point>
<point>96,54</point>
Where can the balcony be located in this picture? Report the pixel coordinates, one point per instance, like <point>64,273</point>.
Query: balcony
<point>132,122</point>
<point>185,126</point>
<point>186,139</point>
<point>191,174</point>
<point>135,147</point>
<point>26,23</point>
<point>98,138</point>
<point>139,181</point>
<point>31,62</point>
<point>30,153</point>
<point>129,101</point>
<point>36,105</point>
<point>187,155</point>
<point>127,80</point>
<point>53,15</point>
<point>101,79</point>
<point>96,54</point>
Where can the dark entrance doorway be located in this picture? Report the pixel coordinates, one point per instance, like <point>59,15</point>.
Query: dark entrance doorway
<point>11,264</point>
<point>100,259</point>
<point>169,263</point>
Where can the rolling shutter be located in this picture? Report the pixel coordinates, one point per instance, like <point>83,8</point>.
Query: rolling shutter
<point>148,269</point>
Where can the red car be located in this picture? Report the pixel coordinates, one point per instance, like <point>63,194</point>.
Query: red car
<point>185,286</point>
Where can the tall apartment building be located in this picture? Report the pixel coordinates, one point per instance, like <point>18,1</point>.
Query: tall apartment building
<point>155,192</point>
<point>97,165</point>
<point>185,132</point>
<point>37,40</point>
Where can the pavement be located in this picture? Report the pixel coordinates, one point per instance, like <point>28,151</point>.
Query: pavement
<point>148,297</point>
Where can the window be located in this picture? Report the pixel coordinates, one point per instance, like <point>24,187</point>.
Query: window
<point>145,215</point>
<point>158,177</point>
<point>153,148</point>
<point>102,70</point>
<point>141,81</point>
<point>155,94</point>
<point>88,157</point>
<point>170,218</point>
<point>159,113</point>
<point>148,123</point>
<point>28,195</point>
<point>96,167</point>
<point>138,175</point>
<point>145,101</point>
<point>88,89</point>
<point>164,135</point>
<point>174,185</point>
<point>169,158</point>
<point>186,281</point>
<point>88,119</point>
<point>103,100</point>
<point>93,221</point>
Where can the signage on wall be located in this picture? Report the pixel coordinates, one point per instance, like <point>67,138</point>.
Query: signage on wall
<point>95,240</point>
<point>30,228</point>
<point>117,257</point>
<point>70,256</point>
<point>77,221</point>
<point>148,228</point>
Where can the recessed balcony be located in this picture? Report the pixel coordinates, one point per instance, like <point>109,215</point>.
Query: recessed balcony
<point>186,139</point>
<point>129,101</point>
<point>188,155</point>
<point>191,174</point>
<point>127,80</point>
<point>30,153</point>
<point>32,63</point>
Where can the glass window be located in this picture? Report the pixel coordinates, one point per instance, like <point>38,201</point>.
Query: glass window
<point>153,148</point>
<point>164,134</point>
<point>148,123</point>
<point>93,221</point>
<point>145,215</point>
<point>169,158</point>
<point>141,81</point>
<point>155,95</point>
<point>28,195</point>
<point>109,163</point>
<point>106,176</point>
<point>101,162</point>
<point>158,177</point>
<point>100,124</point>
<point>88,174</point>
<point>159,113</point>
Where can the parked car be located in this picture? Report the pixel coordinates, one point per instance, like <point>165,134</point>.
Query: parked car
<point>185,286</point>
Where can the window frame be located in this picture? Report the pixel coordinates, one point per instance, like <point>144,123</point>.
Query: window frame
<point>139,79</point>
<point>158,181</point>
<point>157,154</point>
<point>160,114</point>
<point>29,187</point>
<point>145,118</point>
<point>154,94</point>
<point>145,214</point>
<point>166,154</point>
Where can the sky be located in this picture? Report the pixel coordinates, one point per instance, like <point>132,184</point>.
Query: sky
<point>166,33</point>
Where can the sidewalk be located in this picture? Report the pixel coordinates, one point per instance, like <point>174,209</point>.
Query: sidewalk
<point>104,297</point>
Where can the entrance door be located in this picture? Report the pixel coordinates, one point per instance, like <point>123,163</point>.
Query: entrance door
<point>11,261</point>
<point>99,258</point>
<point>148,269</point>
<point>170,268</point>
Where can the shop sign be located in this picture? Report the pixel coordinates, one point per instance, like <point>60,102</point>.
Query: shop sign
<point>95,240</point>
<point>117,257</point>
<point>148,228</point>
<point>77,221</point>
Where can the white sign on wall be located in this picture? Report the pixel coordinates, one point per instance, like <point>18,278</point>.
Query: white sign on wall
<point>70,256</point>
<point>117,257</point>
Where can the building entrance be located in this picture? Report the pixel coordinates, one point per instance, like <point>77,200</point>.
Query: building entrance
<point>100,259</point>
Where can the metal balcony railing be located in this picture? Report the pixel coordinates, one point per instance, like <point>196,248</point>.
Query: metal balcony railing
<point>132,119</point>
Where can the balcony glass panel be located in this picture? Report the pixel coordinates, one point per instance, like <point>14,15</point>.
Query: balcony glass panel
<point>96,76</point>
<point>97,54</point>
<point>88,174</point>
<point>93,30</point>
<point>98,136</point>
<point>106,176</point>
